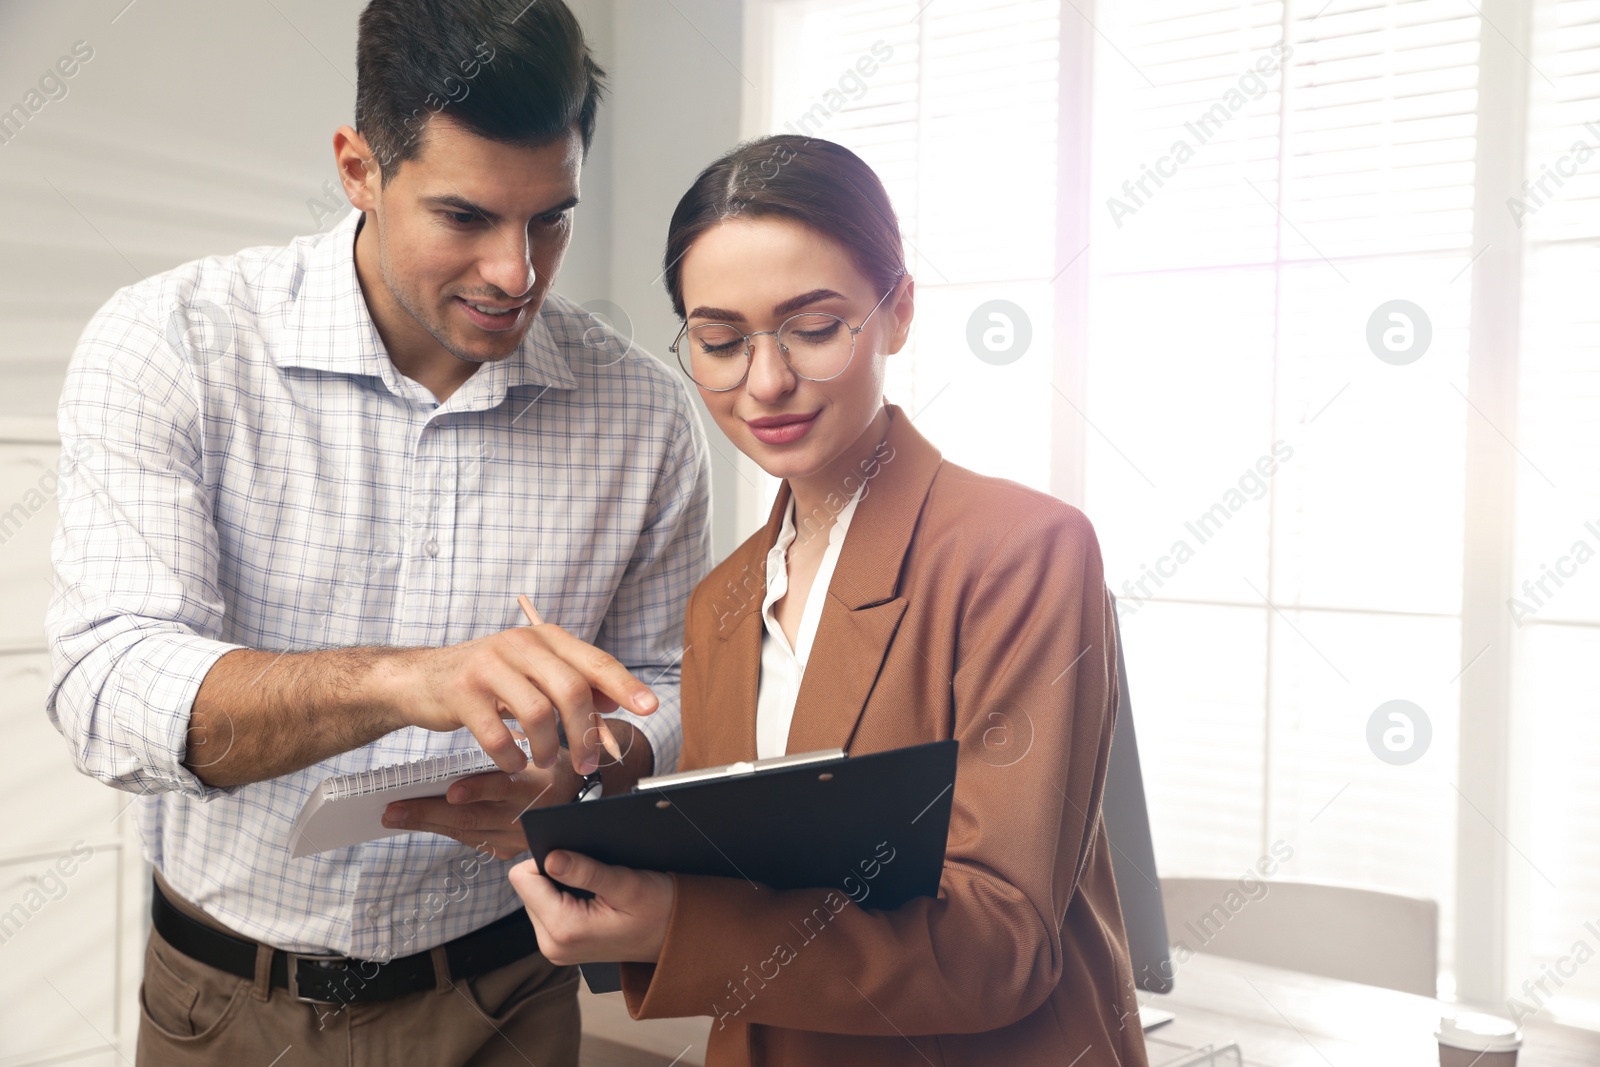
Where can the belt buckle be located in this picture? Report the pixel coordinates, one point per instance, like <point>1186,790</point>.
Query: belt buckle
<point>293,966</point>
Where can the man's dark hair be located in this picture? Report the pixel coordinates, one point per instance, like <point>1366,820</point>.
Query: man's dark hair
<point>506,70</point>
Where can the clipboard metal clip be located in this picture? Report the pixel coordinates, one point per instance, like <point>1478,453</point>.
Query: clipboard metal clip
<point>731,770</point>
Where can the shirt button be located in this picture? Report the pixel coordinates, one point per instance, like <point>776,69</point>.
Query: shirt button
<point>432,547</point>
<point>374,911</point>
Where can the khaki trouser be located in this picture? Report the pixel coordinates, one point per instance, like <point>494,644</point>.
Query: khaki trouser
<point>193,1014</point>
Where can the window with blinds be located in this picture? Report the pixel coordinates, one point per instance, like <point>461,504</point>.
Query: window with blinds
<point>1266,177</point>
<point>1279,283</point>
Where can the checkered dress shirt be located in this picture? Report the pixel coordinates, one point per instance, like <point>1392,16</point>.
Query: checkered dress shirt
<point>243,467</point>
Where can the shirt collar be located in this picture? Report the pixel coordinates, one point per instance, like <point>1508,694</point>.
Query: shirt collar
<point>778,554</point>
<point>331,329</point>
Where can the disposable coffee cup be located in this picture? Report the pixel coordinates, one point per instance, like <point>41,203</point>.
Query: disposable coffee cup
<point>1472,1039</point>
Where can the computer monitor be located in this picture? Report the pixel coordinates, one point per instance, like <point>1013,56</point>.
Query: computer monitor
<point>1133,860</point>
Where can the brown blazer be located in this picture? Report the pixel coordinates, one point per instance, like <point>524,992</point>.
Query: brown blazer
<point>962,606</point>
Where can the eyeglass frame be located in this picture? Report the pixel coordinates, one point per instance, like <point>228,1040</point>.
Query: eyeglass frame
<point>783,352</point>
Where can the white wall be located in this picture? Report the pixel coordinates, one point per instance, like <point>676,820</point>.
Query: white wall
<point>200,128</point>
<point>197,129</point>
<point>172,142</point>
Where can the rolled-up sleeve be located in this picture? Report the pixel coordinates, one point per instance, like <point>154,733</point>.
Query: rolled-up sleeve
<point>136,609</point>
<point>644,627</point>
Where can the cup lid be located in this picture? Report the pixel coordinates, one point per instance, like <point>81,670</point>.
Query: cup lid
<point>1477,1032</point>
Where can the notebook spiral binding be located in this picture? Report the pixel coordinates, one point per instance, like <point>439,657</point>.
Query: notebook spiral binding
<point>428,769</point>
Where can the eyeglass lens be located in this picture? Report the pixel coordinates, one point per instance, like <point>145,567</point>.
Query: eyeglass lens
<point>816,346</point>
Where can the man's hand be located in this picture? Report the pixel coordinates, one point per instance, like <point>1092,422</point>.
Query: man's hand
<point>484,811</point>
<point>261,715</point>
<point>533,674</point>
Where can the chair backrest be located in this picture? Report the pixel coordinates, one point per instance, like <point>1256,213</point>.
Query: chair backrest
<point>1359,935</point>
<point>1133,859</point>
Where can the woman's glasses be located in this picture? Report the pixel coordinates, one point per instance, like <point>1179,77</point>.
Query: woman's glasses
<point>816,346</point>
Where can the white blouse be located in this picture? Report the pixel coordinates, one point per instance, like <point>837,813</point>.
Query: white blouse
<point>783,667</point>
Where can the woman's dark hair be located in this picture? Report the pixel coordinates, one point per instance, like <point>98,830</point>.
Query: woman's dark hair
<point>518,79</point>
<point>815,182</point>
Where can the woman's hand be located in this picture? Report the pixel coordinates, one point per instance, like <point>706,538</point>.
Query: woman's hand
<point>625,921</point>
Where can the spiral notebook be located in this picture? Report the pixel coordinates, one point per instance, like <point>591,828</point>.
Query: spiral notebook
<point>347,809</point>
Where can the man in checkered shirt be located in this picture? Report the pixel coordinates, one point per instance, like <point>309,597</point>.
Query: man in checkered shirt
<point>303,488</point>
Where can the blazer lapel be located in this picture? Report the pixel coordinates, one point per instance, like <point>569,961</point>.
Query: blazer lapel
<point>733,686</point>
<point>863,609</point>
<point>845,660</point>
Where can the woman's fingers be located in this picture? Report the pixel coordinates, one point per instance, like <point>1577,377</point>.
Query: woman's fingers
<point>583,872</point>
<point>540,898</point>
<point>563,924</point>
<point>626,919</point>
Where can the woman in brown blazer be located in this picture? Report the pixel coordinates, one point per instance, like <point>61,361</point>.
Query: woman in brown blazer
<point>891,599</point>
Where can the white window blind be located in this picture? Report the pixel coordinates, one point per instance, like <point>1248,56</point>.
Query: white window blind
<point>1320,164</point>
<point>1282,511</point>
<point>957,114</point>
<point>1556,572</point>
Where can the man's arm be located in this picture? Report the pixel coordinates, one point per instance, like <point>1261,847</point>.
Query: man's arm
<point>150,701</point>
<point>137,603</point>
<point>281,718</point>
<point>259,715</point>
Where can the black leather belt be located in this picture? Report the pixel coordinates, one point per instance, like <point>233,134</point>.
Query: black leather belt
<point>341,979</point>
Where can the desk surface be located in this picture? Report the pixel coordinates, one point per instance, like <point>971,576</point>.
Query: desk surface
<point>1278,1019</point>
<point>1287,1019</point>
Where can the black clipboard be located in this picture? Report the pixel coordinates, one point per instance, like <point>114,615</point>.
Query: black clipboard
<point>795,822</point>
